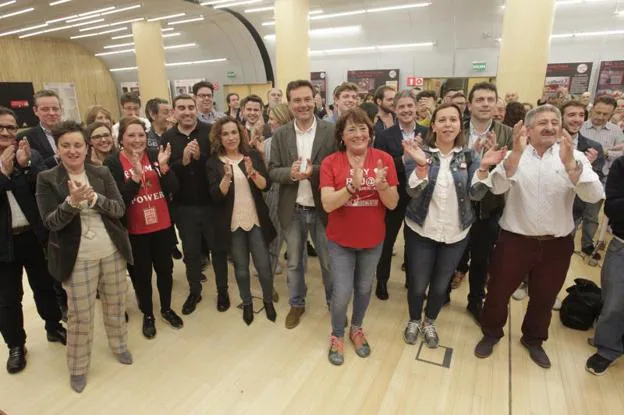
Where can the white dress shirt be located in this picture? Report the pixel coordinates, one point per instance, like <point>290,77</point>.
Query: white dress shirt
<point>305,141</point>
<point>18,219</point>
<point>539,196</point>
<point>442,222</point>
<point>50,138</point>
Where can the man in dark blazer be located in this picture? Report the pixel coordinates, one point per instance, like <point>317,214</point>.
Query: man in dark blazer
<point>391,141</point>
<point>47,107</point>
<point>22,241</point>
<point>297,150</point>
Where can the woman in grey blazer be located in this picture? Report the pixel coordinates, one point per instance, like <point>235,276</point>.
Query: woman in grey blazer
<point>88,247</point>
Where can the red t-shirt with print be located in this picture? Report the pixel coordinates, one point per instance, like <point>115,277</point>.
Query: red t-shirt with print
<point>148,211</point>
<point>360,223</point>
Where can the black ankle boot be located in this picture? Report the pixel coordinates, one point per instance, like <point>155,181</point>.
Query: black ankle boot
<point>270,311</point>
<point>17,359</point>
<point>382,290</point>
<point>223,301</point>
<point>248,314</point>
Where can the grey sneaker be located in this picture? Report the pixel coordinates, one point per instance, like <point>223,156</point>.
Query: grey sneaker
<point>520,293</point>
<point>336,350</point>
<point>431,335</point>
<point>410,335</point>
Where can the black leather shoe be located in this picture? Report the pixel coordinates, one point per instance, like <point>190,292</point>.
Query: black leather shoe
<point>270,311</point>
<point>57,335</point>
<point>149,326</point>
<point>248,314</point>
<point>17,359</point>
<point>382,290</point>
<point>223,301</point>
<point>172,318</point>
<point>311,250</point>
<point>191,302</point>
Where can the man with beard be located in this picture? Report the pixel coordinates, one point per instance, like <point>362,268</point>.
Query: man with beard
<point>391,141</point>
<point>540,178</point>
<point>573,113</point>
<point>384,99</point>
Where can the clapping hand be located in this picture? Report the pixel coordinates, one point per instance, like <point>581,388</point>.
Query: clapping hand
<point>381,176</point>
<point>520,137</point>
<point>164,154</point>
<point>591,154</point>
<point>137,170</point>
<point>493,156</point>
<point>415,152</point>
<point>23,153</point>
<point>566,150</point>
<point>79,192</point>
<point>249,167</point>
<point>7,161</point>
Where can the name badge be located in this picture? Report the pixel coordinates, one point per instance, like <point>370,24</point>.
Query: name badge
<point>150,215</point>
<point>462,165</point>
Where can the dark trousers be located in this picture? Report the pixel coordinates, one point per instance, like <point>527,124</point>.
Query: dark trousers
<point>545,262</point>
<point>28,255</point>
<point>152,249</point>
<point>195,226</point>
<point>431,265</point>
<point>483,236</point>
<point>394,220</point>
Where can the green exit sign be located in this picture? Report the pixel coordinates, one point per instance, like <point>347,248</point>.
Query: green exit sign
<point>479,66</point>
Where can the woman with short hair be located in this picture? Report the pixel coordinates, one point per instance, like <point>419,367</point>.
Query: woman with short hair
<point>101,143</point>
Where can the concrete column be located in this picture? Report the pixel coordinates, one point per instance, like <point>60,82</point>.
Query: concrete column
<point>291,41</point>
<point>150,60</point>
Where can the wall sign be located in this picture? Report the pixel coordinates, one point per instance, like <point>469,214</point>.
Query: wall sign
<point>573,76</point>
<point>319,80</point>
<point>369,80</point>
<point>610,77</point>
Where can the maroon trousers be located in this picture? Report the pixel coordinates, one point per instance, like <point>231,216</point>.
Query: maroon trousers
<point>545,262</point>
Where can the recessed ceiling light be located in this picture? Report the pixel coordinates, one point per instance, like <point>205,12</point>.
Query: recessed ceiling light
<point>57,2</point>
<point>194,19</point>
<point>171,16</point>
<point>26,29</point>
<point>4,16</point>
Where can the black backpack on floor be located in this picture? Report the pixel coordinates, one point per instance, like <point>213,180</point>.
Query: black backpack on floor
<point>582,305</point>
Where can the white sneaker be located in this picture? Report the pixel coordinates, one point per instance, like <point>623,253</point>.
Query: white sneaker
<point>520,293</point>
<point>557,305</point>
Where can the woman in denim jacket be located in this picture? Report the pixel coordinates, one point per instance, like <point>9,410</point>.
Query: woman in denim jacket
<point>439,215</point>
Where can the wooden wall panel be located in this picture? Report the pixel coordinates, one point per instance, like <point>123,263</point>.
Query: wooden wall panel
<point>55,60</point>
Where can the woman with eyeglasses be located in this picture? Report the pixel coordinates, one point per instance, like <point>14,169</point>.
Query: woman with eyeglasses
<point>100,140</point>
<point>146,182</point>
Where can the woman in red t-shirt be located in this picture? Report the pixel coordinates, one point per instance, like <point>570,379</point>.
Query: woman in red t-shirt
<point>145,182</point>
<point>358,183</point>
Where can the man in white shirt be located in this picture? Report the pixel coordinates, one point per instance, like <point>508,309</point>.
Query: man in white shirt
<point>297,150</point>
<point>130,107</point>
<point>540,180</point>
<point>600,129</point>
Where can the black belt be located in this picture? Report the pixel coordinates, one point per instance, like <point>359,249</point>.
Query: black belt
<point>20,229</point>
<point>301,207</point>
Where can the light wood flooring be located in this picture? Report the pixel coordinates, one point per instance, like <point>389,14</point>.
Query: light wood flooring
<point>218,365</point>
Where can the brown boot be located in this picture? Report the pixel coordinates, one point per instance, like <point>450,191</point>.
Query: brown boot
<point>293,317</point>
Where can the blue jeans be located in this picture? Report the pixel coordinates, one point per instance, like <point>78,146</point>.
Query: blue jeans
<point>353,271</point>
<point>431,264</point>
<point>589,218</point>
<point>244,243</point>
<point>609,333</point>
<point>296,235</point>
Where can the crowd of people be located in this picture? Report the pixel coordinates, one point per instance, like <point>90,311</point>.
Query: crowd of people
<point>482,185</point>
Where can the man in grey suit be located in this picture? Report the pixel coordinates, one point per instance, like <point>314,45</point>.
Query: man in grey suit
<point>297,150</point>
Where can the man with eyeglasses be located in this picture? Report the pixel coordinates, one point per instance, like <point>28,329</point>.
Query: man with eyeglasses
<point>204,99</point>
<point>47,107</point>
<point>22,241</point>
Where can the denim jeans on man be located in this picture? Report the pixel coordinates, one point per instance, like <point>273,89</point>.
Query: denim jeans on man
<point>609,334</point>
<point>587,214</point>
<point>244,243</point>
<point>353,272</point>
<point>305,221</point>
<point>431,265</point>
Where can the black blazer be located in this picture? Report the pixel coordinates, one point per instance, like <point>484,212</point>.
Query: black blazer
<point>391,141</point>
<point>39,141</point>
<point>224,204</point>
<point>63,221</point>
<point>585,144</point>
<point>22,182</point>
<point>129,189</point>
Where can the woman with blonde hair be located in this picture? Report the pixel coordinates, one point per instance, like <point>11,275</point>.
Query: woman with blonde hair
<point>100,114</point>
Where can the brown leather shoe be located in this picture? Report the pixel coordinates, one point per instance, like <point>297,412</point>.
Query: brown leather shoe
<point>537,353</point>
<point>485,347</point>
<point>293,317</point>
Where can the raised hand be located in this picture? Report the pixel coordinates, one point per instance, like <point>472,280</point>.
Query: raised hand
<point>381,175</point>
<point>164,154</point>
<point>7,161</point>
<point>415,152</point>
<point>520,137</point>
<point>228,172</point>
<point>566,150</point>
<point>23,153</point>
<point>591,154</point>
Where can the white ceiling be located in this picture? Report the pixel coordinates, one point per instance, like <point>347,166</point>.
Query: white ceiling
<point>452,24</point>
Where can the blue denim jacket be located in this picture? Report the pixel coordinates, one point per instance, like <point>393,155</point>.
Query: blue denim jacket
<point>463,167</point>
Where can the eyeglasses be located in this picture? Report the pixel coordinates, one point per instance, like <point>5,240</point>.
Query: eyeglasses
<point>100,136</point>
<point>204,96</point>
<point>10,128</point>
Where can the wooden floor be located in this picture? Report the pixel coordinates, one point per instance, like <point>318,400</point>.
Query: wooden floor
<point>218,365</point>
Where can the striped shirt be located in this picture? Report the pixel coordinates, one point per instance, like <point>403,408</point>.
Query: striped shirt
<point>609,135</point>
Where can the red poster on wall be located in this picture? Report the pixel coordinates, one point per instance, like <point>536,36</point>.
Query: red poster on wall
<point>572,76</point>
<point>610,78</point>
<point>369,80</point>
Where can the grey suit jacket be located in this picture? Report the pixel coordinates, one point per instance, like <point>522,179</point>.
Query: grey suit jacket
<point>284,154</point>
<point>63,221</point>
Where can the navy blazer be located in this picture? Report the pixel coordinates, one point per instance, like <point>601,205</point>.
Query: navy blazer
<point>22,183</point>
<point>39,141</point>
<point>391,141</point>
